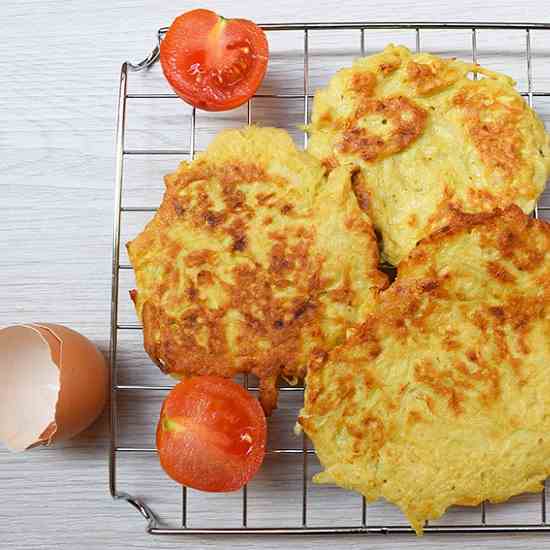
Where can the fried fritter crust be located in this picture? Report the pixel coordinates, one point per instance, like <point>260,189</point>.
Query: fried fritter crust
<point>253,261</point>
<point>442,397</point>
<point>429,139</point>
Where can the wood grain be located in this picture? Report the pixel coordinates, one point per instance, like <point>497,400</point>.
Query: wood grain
<point>58,77</point>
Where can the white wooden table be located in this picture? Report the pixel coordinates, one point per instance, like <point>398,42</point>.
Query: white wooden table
<point>58,76</point>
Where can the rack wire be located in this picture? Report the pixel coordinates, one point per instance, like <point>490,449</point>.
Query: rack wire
<point>361,525</point>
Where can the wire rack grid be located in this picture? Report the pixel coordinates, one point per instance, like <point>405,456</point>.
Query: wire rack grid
<point>361,524</point>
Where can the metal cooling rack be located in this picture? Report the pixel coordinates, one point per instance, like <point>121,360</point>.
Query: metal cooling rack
<point>361,525</point>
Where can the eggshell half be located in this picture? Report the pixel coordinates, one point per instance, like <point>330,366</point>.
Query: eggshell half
<point>53,384</point>
<point>29,387</point>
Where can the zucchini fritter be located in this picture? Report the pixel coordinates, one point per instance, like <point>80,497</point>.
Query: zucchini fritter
<point>429,139</point>
<point>442,397</point>
<point>253,261</point>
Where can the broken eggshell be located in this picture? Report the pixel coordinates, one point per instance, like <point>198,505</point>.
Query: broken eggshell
<point>53,384</point>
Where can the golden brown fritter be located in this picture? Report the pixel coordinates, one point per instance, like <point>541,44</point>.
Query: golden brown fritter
<point>442,397</point>
<point>429,139</point>
<point>253,261</point>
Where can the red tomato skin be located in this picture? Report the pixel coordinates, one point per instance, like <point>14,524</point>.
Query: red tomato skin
<point>187,47</point>
<point>201,449</point>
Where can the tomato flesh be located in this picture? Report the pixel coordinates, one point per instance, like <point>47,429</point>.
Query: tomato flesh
<point>211,434</point>
<point>211,62</point>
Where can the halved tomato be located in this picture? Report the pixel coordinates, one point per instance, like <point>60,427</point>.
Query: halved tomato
<point>211,62</point>
<point>211,434</point>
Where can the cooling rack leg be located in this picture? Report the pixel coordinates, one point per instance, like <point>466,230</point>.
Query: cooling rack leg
<point>149,61</point>
<point>144,510</point>
<point>120,128</point>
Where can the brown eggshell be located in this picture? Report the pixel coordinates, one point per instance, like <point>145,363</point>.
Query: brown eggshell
<point>53,384</point>
<point>83,379</point>
<point>29,388</point>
